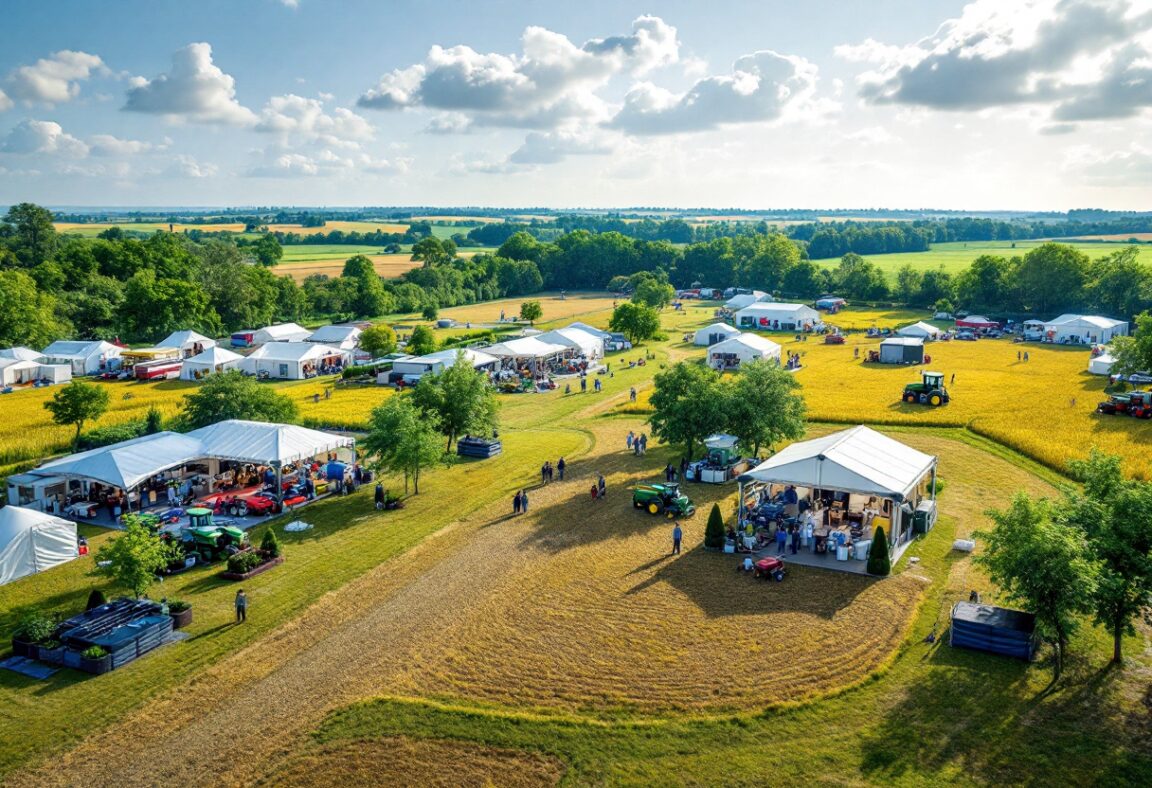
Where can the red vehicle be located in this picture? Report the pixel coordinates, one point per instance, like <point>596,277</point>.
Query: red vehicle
<point>769,568</point>
<point>1137,404</point>
<point>258,504</point>
<point>833,339</point>
<point>164,369</point>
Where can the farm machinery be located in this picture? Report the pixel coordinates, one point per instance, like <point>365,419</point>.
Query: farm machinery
<point>929,391</point>
<point>1137,404</point>
<point>211,541</point>
<point>662,498</point>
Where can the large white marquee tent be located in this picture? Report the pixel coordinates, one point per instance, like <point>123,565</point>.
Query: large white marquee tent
<point>590,345</point>
<point>189,342</point>
<point>32,541</point>
<point>291,360</point>
<point>214,359</point>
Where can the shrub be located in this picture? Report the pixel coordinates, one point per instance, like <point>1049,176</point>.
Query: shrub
<point>714,531</point>
<point>34,627</point>
<point>430,312</point>
<point>939,486</point>
<point>94,652</point>
<point>114,433</point>
<point>243,562</point>
<point>879,562</point>
<point>178,606</point>
<point>269,544</point>
<point>96,599</point>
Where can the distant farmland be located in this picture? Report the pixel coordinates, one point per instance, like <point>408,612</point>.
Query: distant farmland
<point>388,266</point>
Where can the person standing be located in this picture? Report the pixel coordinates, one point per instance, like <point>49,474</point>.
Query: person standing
<point>632,394</point>
<point>643,444</point>
<point>677,535</point>
<point>781,538</point>
<point>583,384</point>
<point>381,497</point>
<point>560,466</point>
<point>524,501</point>
<point>669,471</point>
<point>630,439</point>
<point>241,606</point>
<point>544,473</point>
<point>1025,356</point>
<point>601,486</point>
<point>516,500</point>
<point>795,530</point>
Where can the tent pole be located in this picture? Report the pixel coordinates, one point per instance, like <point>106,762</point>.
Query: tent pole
<point>279,485</point>
<point>933,481</point>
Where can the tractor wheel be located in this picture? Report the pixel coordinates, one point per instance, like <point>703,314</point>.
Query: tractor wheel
<point>653,508</point>
<point>242,510</point>
<point>936,399</point>
<point>910,398</point>
<point>233,510</point>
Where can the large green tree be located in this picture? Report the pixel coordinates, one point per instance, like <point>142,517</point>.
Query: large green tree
<point>28,316</point>
<point>635,321</point>
<point>155,307</point>
<point>654,293</point>
<point>77,404</point>
<point>421,341</point>
<point>531,311</point>
<point>133,558</point>
<point>1134,353</point>
<point>1051,278</point>
<point>33,234</point>
<point>401,439</point>
<point>378,340</point>
<point>763,405</point>
<point>459,400</point>
<point>367,297</point>
<point>687,405</point>
<point>233,395</point>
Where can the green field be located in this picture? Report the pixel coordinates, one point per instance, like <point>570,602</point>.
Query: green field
<point>955,257</point>
<point>449,642</point>
<point>311,253</point>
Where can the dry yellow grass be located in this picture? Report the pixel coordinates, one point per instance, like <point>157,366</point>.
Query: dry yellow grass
<point>389,266</point>
<point>575,306</point>
<point>400,761</point>
<point>469,219</point>
<point>93,229</point>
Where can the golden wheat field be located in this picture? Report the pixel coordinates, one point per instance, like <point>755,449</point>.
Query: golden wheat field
<point>348,227</point>
<point>389,266</point>
<point>92,229</point>
<point>574,306</point>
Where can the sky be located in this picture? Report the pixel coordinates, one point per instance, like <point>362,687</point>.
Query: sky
<point>989,105</point>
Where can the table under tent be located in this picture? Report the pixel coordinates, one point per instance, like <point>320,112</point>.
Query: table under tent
<point>838,490</point>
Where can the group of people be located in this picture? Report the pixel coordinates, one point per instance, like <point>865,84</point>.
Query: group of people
<point>637,444</point>
<point>547,470</point>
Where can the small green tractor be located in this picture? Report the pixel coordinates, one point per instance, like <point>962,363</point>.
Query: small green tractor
<point>209,541</point>
<point>930,391</point>
<point>662,498</point>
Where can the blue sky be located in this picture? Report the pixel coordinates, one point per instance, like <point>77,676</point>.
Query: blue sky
<point>1038,105</point>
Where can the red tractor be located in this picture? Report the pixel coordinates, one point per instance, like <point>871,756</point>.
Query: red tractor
<point>1137,404</point>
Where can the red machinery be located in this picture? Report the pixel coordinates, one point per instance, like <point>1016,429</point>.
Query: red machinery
<point>164,369</point>
<point>769,567</point>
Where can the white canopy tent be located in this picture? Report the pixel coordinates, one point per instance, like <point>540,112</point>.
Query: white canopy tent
<point>920,329</point>
<point>189,342</point>
<point>128,463</point>
<point>21,354</point>
<point>777,317</point>
<point>343,337</point>
<point>717,332</point>
<point>214,359</point>
<point>590,345</point>
<point>1101,364</point>
<point>265,443</point>
<point>32,541</point>
<point>292,360</point>
<point>13,372</point>
<point>85,358</point>
<point>434,363</point>
<point>284,332</point>
<point>1086,329</point>
<point>596,332</point>
<point>734,352</point>
<point>746,299</point>
<point>525,347</point>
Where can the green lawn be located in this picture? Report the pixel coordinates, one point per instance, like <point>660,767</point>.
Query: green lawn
<point>955,257</point>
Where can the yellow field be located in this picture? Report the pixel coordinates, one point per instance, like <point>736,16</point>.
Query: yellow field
<point>389,266</point>
<point>469,219</point>
<point>573,307</point>
<point>348,227</point>
<point>94,229</point>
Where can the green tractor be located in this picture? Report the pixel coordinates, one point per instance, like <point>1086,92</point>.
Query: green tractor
<point>211,542</point>
<point>930,391</point>
<point>666,498</point>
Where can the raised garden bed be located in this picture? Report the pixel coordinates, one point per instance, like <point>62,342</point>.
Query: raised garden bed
<point>264,567</point>
<point>181,618</point>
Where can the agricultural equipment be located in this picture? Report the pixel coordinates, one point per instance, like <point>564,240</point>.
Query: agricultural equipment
<point>769,568</point>
<point>722,464</point>
<point>258,504</point>
<point>1137,404</point>
<point>211,541</point>
<point>930,391</point>
<point>666,498</point>
<point>833,339</point>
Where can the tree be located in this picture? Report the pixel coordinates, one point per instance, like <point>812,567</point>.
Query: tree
<point>153,421</point>
<point>763,405</point>
<point>367,296</point>
<point>27,315</point>
<point>908,281</point>
<point>458,399</point>
<point>1051,277</point>
<point>422,341</point>
<point>430,312</point>
<point>805,280</point>
<point>33,234</point>
<point>78,403</point>
<point>96,598</point>
<point>1116,515</point>
<point>378,340</point>
<point>879,562</point>
<point>1042,564</point>
<point>402,439</point>
<point>714,531</point>
<point>687,405</point>
<point>1133,353</point>
<point>654,293</point>
<point>153,307</point>
<point>636,321</point>
<point>531,311</point>
<point>1120,285</point>
<point>432,251</point>
<point>233,395</point>
<point>133,558</point>
<point>269,543</point>
<point>267,250</point>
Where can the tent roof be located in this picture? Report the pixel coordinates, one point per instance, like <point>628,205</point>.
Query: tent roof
<point>526,346</point>
<point>919,327</point>
<point>213,356</point>
<point>596,332</point>
<point>294,351</point>
<point>577,336</point>
<point>857,460</point>
<point>774,306</point>
<point>6,363</point>
<point>260,442</point>
<point>128,463</point>
<point>753,341</point>
<point>63,348</point>
<point>448,357</point>
<point>334,334</point>
<point>21,354</point>
<point>1079,320</point>
<point>718,328</point>
<point>284,330</point>
<point>907,341</point>
<point>182,338</point>
<point>15,519</point>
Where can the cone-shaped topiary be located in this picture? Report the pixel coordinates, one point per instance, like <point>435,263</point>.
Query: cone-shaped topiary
<point>714,532</point>
<point>270,544</point>
<point>879,563</point>
<point>96,599</point>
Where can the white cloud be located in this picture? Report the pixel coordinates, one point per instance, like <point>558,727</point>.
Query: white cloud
<point>759,89</point>
<point>5,102</point>
<point>449,123</point>
<point>1130,167</point>
<point>194,90</point>
<point>52,80</point>
<point>551,81</point>
<point>553,147</point>
<point>275,164</point>
<point>290,3</point>
<point>108,145</point>
<point>188,167</point>
<point>298,119</point>
<point>1085,59</point>
<point>43,136</point>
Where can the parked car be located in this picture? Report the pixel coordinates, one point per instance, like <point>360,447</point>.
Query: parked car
<point>968,336</point>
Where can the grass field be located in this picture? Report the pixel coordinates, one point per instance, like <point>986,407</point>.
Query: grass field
<point>955,257</point>
<point>449,643</point>
<point>389,266</point>
<point>91,230</point>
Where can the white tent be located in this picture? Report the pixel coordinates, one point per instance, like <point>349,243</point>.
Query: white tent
<point>596,332</point>
<point>32,541</point>
<point>21,354</point>
<point>588,344</point>
<point>732,353</point>
<point>746,299</point>
<point>525,347</point>
<point>189,342</point>
<point>1086,329</point>
<point>56,373</point>
<point>214,359</point>
<point>85,358</point>
<point>292,360</point>
<point>717,332</point>
<point>264,443</point>
<point>128,463</point>
<point>343,337</point>
<point>1101,364</point>
<point>284,332</point>
<point>777,317</point>
<point>13,371</point>
<point>434,363</point>
<point>919,329</point>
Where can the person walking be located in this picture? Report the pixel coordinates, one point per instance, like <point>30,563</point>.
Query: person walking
<point>668,472</point>
<point>601,487</point>
<point>381,497</point>
<point>524,501</point>
<point>632,394</point>
<point>516,500</point>
<point>1025,356</point>
<point>560,466</point>
<point>241,606</point>
<point>677,535</point>
<point>629,440</point>
<point>583,384</point>
<point>596,385</point>
<point>544,473</point>
<point>643,444</point>
<point>551,471</point>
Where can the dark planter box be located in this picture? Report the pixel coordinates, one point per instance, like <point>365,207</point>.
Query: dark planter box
<point>252,573</point>
<point>54,656</point>
<point>22,648</point>
<point>96,666</point>
<point>71,658</point>
<point>181,619</point>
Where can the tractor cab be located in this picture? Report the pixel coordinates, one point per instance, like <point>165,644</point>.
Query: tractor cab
<point>209,540</point>
<point>929,391</point>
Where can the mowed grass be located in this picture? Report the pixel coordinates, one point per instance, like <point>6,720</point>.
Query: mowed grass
<point>348,227</point>
<point>955,257</point>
